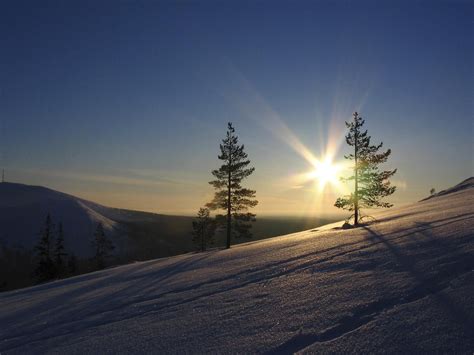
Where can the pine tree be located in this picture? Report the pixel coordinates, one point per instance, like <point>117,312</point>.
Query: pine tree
<point>102,245</point>
<point>59,252</point>
<point>370,184</point>
<point>46,269</point>
<point>204,228</point>
<point>72,265</point>
<point>230,196</point>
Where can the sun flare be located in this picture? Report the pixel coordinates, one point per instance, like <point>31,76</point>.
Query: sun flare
<point>326,172</point>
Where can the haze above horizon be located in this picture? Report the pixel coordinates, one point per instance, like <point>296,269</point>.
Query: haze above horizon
<point>125,102</point>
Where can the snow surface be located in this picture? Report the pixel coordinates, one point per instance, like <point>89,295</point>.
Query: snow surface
<point>404,283</point>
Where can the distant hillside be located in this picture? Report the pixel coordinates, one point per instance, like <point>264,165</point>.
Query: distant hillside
<point>137,235</point>
<point>23,209</point>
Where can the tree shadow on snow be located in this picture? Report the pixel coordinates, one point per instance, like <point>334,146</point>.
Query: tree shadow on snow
<point>450,263</point>
<point>428,283</point>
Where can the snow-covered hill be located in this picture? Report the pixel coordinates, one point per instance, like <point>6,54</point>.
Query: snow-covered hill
<point>404,283</point>
<point>23,210</point>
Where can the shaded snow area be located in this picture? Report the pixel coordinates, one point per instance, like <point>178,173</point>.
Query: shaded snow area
<point>404,283</point>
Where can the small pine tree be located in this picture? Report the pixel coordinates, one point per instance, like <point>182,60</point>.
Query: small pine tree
<point>59,252</point>
<point>102,245</point>
<point>230,196</point>
<point>45,269</point>
<point>432,191</point>
<point>204,228</point>
<point>72,265</point>
<point>370,184</point>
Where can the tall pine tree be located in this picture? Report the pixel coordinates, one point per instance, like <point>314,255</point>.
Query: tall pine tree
<point>45,269</point>
<point>103,246</point>
<point>204,227</point>
<point>230,196</point>
<point>370,184</point>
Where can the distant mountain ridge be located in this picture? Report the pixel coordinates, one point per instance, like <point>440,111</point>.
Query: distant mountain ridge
<point>23,209</point>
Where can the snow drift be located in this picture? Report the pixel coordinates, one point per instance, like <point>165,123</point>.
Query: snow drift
<point>404,283</point>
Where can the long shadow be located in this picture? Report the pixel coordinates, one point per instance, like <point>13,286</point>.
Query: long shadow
<point>431,285</point>
<point>258,275</point>
<point>115,299</point>
<point>425,285</point>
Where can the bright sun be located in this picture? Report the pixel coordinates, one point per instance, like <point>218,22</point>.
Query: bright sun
<point>326,172</point>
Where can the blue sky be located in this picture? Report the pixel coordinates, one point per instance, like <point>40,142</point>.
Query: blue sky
<point>125,102</point>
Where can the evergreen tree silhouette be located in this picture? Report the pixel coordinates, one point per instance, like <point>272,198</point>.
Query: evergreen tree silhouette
<point>102,245</point>
<point>72,264</point>
<point>45,269</point>
<point>204,228</point>
<point>370,184</point>
<point>59,253</point>
<point>230,196</point>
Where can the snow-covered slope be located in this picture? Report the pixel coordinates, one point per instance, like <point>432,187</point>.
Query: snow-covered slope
<point>468,183</point>
<point>404,283</point>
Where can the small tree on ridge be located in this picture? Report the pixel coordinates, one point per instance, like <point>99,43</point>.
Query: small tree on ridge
<point>204,228</point>
<point>102,245</point>
<point>46,269</point>
<point>59,253</point>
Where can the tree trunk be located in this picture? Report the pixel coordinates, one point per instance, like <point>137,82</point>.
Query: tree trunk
<point>356,180</point>
<point>203,248</point>
<point>228,201</point>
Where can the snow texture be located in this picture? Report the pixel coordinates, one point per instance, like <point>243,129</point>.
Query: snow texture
<point>403,283</point>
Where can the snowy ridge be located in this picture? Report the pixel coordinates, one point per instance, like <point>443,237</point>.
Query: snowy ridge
<point>20,203</point>
<point>94,215</point>
<point>404,283</point>
<point>24,203</point>
<point>466,184</point>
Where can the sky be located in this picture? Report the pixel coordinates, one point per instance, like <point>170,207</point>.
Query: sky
<point>125,102</point>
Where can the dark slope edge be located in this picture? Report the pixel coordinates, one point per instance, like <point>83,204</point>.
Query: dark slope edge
<point>466,184</point>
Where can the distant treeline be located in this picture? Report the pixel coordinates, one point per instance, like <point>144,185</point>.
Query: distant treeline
<point>50,260</point>
<point>146,241</point>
